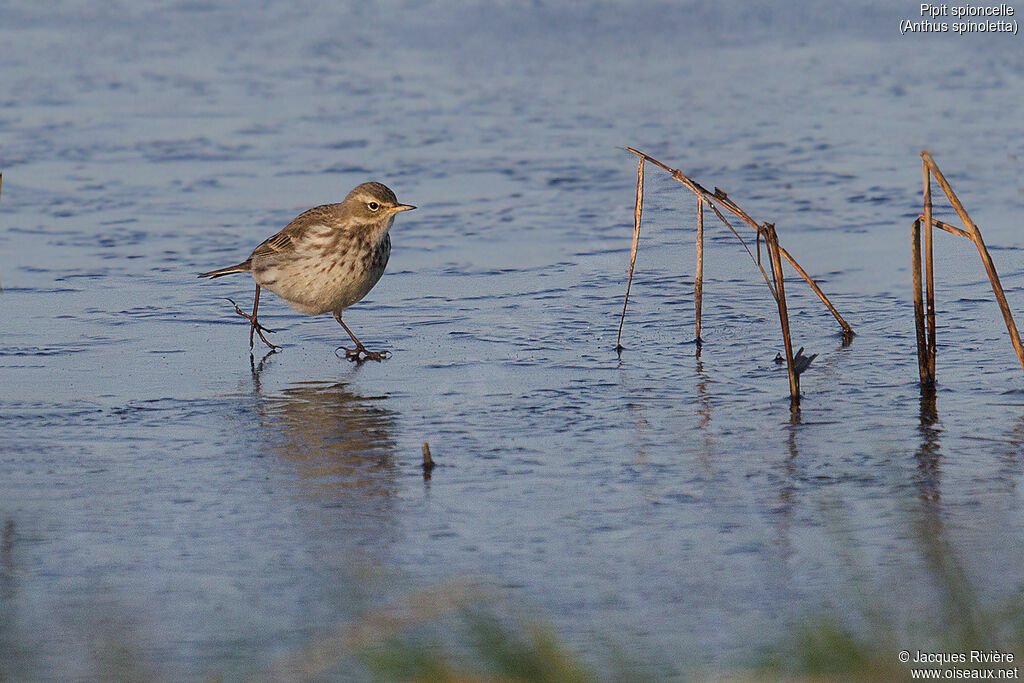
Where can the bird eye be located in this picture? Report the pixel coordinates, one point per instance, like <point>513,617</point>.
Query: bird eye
<point>373,206</point>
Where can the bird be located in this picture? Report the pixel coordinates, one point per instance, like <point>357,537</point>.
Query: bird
<point>325,260</point>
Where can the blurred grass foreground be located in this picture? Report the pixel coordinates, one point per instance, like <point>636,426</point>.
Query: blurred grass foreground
<point>465,631</point>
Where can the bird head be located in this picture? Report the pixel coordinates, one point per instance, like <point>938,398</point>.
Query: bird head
<point>374,201</point>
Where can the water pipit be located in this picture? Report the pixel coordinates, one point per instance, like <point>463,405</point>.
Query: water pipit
<point>325,260</point>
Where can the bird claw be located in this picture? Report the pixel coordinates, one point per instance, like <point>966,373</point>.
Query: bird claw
<point>360,354</point>
<point>273,347</point>
<point>255,323</point>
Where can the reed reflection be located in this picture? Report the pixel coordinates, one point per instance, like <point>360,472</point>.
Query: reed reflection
<point>791,474</point>
<point>703,398</point>
<point>7,568</point>
<point>1011,456</point>
<point>929,453</point>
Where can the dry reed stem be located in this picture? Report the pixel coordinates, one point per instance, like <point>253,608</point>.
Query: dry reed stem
<point>638,210</point>
<point>698,279</point>
<point>986,258</point>
<point>1,179</point>
<point>720,197</point>
<point>941,225</point>
<point>771,261</point>
<point>847,330</point>
<point>769,280</point>
<point>772,240</point>
<point>922,339</point>
<point>929,270</point>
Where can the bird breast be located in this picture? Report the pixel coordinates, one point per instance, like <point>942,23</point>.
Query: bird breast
<point>327,270</point>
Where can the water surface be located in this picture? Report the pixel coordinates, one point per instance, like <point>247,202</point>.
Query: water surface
<point>217,512</point>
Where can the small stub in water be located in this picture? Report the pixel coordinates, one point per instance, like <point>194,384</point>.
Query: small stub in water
<point>428,461</point>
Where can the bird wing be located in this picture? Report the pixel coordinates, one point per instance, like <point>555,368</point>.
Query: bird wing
<point>279,243</point>
<point>286,240</point>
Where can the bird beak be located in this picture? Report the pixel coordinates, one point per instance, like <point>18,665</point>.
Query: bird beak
<point>402,207</point>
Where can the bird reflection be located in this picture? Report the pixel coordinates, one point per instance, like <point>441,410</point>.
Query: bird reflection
<point>340,441</point>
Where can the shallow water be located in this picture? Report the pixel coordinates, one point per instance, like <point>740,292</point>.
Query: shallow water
<point>217,512</point>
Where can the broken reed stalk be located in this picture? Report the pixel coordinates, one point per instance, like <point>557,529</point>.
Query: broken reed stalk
<point>770,281</point>
<point>638,210</point>
<point>702,193</point>
<point>947,227</point>
<point>698,279</point>
<point>794,365</point>
<point>929,271</point>
<point>721,198</point>
<point>927,379</point>
<point>772,240</point>
<point>986,258</point>
<point>926,337</point>
<point>925,368</point>
<point>847,330</point>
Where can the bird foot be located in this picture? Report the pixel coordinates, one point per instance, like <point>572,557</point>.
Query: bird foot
<point>254,326</point>
<point>273,347</point>
<point>255,323</point>
<point>361,354</point>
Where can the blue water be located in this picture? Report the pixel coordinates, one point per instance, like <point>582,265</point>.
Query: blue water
<point>217,513</point>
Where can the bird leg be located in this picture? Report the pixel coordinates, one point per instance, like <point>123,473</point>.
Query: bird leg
<point>353,354</point>
<point>254,324</point>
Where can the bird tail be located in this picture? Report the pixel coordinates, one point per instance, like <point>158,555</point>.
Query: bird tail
<point>243,267</point>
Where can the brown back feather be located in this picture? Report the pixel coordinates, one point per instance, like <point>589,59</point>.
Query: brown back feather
<point>284,241</point>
